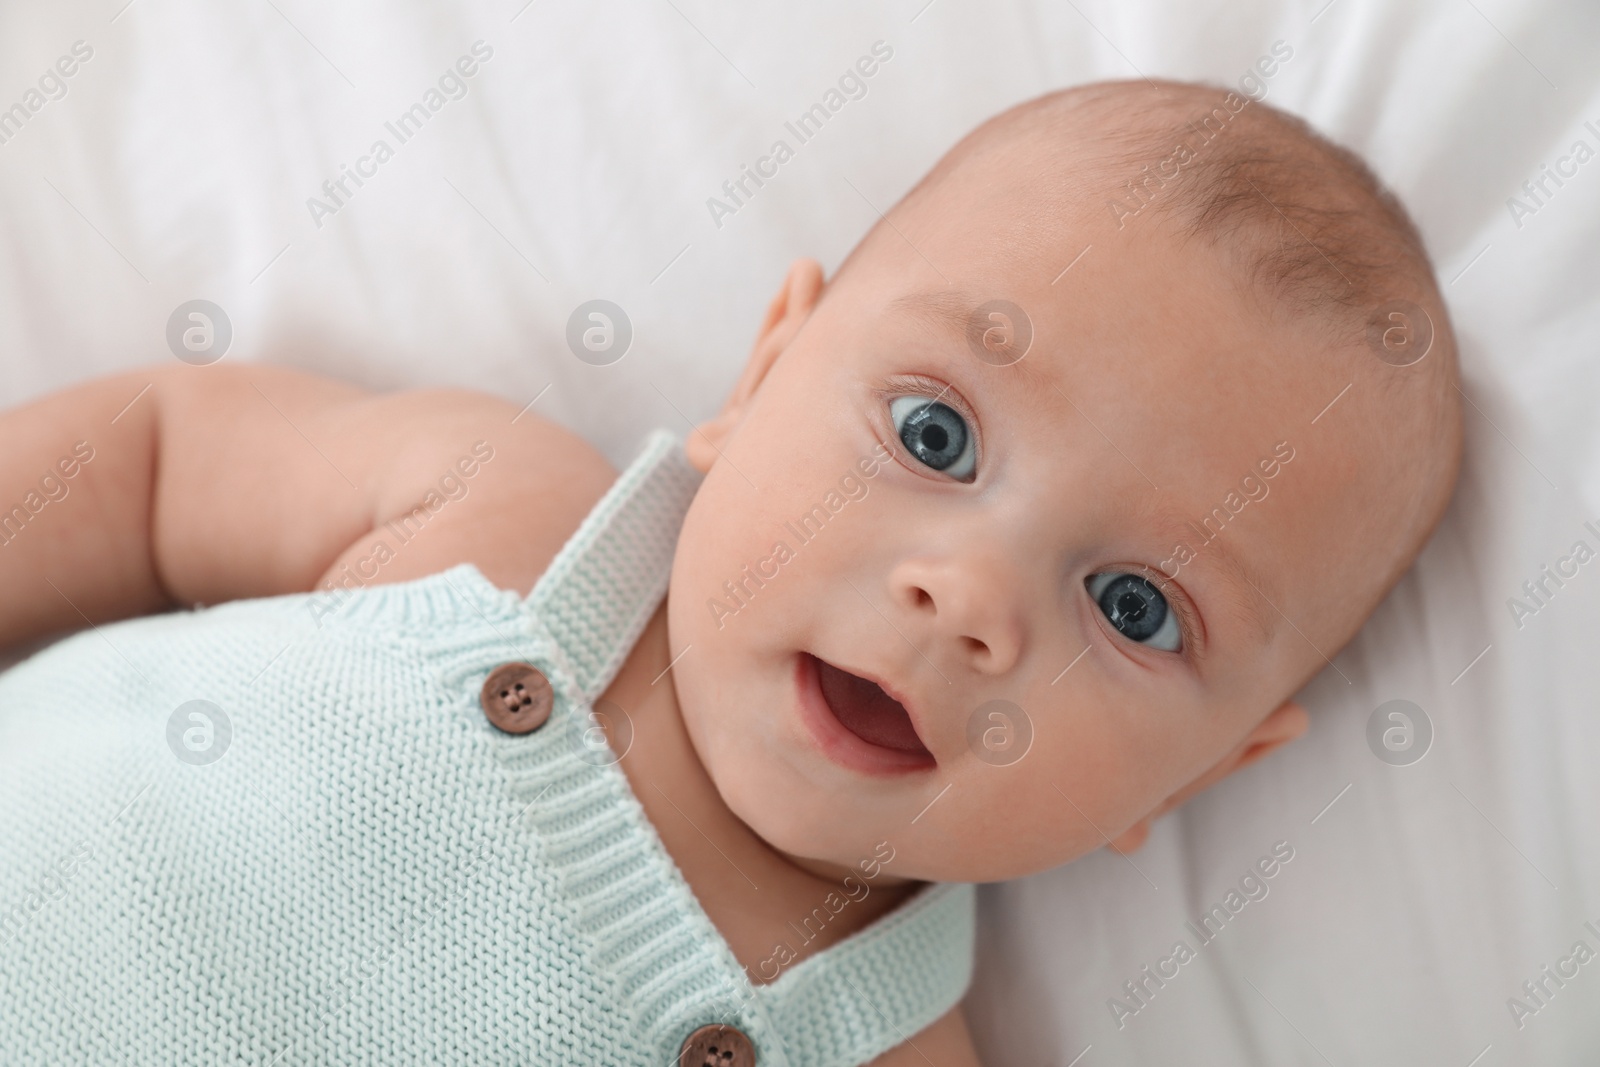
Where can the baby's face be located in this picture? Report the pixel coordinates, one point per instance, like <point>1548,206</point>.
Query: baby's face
<point>891,517</point>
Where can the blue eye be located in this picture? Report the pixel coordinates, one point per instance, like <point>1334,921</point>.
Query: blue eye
<point>936,435</point>
<point>1136,609</point>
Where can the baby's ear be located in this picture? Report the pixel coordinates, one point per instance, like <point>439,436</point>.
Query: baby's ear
<point>1133,838</point>
<point>1288,722</point>
<point>796,298</point>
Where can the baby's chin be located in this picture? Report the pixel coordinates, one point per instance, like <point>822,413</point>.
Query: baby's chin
<point>775,787</point>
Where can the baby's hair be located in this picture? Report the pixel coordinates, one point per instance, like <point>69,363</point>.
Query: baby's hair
<point>1318,230</point>
<point>1310,224</point>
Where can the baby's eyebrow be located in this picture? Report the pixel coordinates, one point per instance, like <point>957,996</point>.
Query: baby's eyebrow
<point>946,308</point>
<point>949,311</point>
<point>1251,595</point>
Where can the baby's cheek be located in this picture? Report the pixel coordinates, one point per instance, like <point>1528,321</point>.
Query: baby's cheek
<point>1088,775</point>
<point>729,565</point>
<point>1012,821</point>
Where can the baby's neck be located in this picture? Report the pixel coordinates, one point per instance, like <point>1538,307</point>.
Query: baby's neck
<point>755,894</point>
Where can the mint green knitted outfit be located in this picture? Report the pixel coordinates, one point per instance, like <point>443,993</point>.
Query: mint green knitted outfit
<point>371,873</point>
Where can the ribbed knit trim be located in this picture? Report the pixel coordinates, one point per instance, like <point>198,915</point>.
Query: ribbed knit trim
<point>881,984</point>
<point>600,590</point>
<point>447,598</point>
<point>669,963</point>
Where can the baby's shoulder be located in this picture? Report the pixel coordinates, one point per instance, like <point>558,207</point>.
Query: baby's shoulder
<point>470,478</point>
<point>272,479</point>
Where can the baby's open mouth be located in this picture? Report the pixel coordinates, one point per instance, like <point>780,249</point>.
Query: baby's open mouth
<point>863,708</point>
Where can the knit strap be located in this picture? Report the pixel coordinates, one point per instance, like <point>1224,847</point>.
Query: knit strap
<point>604,584</point>
<point>881,985</point>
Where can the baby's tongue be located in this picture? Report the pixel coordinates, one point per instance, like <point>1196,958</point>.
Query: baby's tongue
<point>867,711</point>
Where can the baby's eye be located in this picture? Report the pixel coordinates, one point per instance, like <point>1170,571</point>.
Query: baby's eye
<point>1137,609</point>
<point>936,435</point>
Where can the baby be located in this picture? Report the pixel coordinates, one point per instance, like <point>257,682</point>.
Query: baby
<point>1017,533</point>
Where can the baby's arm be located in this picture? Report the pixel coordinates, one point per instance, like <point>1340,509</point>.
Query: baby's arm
<point>944,1043</point>
<point>199,485</point>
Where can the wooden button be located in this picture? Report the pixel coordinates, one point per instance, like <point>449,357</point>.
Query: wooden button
<point>717,1046</point>
<point>517,698</point>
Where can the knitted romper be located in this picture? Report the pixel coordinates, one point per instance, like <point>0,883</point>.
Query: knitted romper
<point>339,859</point>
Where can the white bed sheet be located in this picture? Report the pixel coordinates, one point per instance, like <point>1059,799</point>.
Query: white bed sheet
<point>180,160</point>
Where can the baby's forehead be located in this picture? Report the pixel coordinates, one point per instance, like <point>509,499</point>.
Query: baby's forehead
<point>1152,311</point>
<point>1307,222</point>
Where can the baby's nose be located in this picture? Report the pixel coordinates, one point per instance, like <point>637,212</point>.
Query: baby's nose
<point>968,606</point>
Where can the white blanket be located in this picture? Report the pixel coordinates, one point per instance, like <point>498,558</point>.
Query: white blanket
<point>179,161</point>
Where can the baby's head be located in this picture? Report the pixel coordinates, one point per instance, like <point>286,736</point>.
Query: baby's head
<point>1101,444</point>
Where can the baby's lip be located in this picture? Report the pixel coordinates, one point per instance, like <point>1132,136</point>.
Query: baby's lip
<point>871,709</point>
